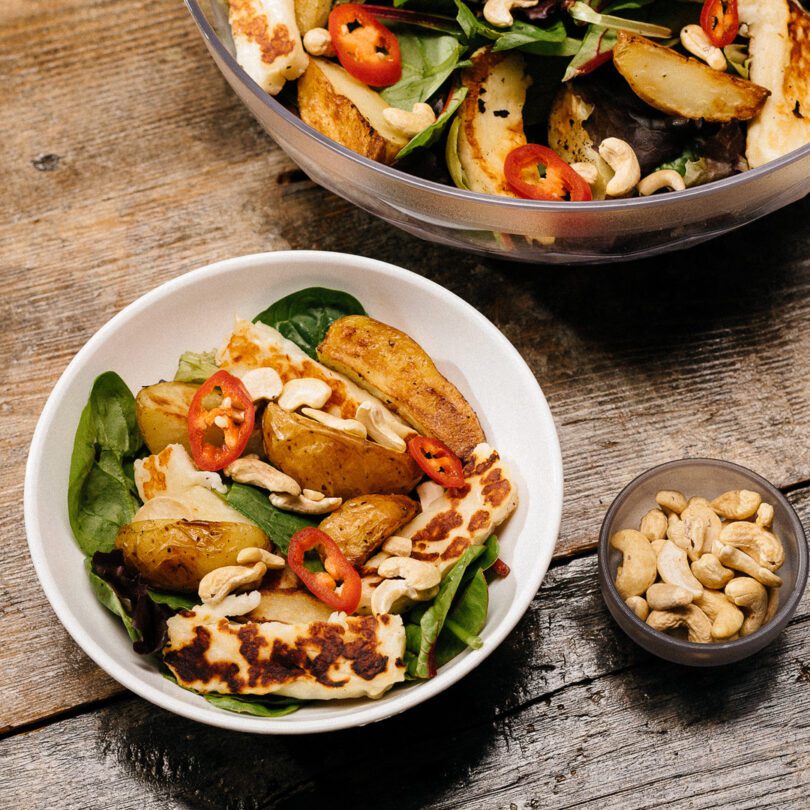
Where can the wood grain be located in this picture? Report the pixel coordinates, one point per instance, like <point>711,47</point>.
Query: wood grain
<point>567,713</point>
<point>127,160</point>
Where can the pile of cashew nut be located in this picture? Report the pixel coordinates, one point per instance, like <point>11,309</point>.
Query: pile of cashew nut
<point>700,568</point>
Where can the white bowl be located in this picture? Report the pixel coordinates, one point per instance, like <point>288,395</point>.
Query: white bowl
<point>195,312</point>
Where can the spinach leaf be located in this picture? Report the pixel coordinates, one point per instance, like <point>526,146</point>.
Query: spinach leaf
<point>465,620</point>
<point>196,367</point>
<point>278,525</point>
<point>429,135</point>
<point>176,601</point>
<point>259,705</point>
<point>101,490</point>
<point>427,61</point>
<point>434,617</point>
<point>595,48</point>
<point>105,594</point>
<point>304,316</point>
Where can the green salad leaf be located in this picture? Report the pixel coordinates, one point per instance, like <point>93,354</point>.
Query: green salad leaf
<point>101,489</point>
<point>196,367</point>
<point>304,316</point>
<point>176,601</point>
<point>105,594</point>
<point>427,61</point>
<point>258,705</point>
<point>429,135</point>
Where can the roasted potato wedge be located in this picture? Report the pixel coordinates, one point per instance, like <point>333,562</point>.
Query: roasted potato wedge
<point>161,411</point>
<point>361,524</point>
<point>491,119</point>
<point>681,86</point>
<point>177,554</point>
<point>311,14</point>
<point>328,460</point>
<point>348,111</point>
<point>397,370</point>
<point>291,606</point>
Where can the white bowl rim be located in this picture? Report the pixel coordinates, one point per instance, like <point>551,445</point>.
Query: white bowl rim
<point>519,205</point>
<point>292,724</point>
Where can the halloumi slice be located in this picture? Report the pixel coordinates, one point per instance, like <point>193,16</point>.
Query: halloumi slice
<point>256,345</point>
<point>780,60</point>
<point>345,657</point>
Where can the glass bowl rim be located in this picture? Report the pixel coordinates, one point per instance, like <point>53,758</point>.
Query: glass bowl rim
<point>736,182</point>
<point>785,609</point>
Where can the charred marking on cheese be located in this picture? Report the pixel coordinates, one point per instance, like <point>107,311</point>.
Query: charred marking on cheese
<point>157,478</point>
<point>252,26</point>
<point>439,527</point>
<point>478,520</point>
<point>424,556</point>
<point>191,665</point>
<point>496,489</point>
<point>456,548</point>
<point>472,469</point>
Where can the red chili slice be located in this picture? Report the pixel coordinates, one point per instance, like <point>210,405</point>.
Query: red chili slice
<point>437,460</point>
<point>500,568</point>
<point>234,416</point>
<point>365,47</point>
<point>338,568</point>
<point>560,182</point>
<point>720,19</point>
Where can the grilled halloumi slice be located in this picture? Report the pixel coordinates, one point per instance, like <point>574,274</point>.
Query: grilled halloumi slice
<point>780,60</point>
<point>172,488</point>
<point>256,345</point>
<point>345,657</point>
<point>268,43</point>
<point>456,519</point>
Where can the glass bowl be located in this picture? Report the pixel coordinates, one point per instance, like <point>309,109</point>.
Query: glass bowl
<point>709,478</point>
<point>515,229</point>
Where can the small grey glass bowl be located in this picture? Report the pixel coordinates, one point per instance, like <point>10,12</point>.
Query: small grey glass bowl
<point>709,478</point>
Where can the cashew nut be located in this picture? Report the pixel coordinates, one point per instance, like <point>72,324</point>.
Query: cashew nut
<point>253,554</point>
<point>755,541</point>
<point>663,178</point>
<point>752,598</point>
<point>663,596</point>
<point>587,171</point>
<point>657,545</point>
<point>410,123</point>
<point>262,383</point>
<point>639,606</point>
<point>373,563</point>
<point>498,12</point>
<point>303,505</point>
<point>773,604</point>
<point>637,571</point>
<point>673,567</point>
<point>251,470</point>
<point>429,491</point>
<point>313,494</point>
<point>671,500</point>
<point>350,426</point>
<point>381,427</point>
<point>619,155</point>
<point>398,546</point>
<point>309,391</point>
<point>393,594</point>
<point>676,531</point>
<point>711,573</point>
<point>694,39</point>
<point>220,582</point>
<point>765,515</point>
<point>725,617</point>
<point>701,526</point>
<point>654,525</point>
<point>419,575</point>
<point>318,42</point>
<point>691,617</point>
<point>739,561</point>
<point>737,504</point>
<point>237,604</point>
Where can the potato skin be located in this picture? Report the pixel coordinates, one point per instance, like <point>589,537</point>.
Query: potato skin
<point>332,462</point>
<point>397,370</point>
<point>361,524</point>
<point>176,554</point>
<point>161,411</point>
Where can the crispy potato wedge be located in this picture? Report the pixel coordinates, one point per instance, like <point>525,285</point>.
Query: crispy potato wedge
<point>328,460</point>
<point>681,86</point>
<point>177,554</point>
<point>491,118</point>
<point>361,524</point>
<point>161,411</point>
<point>311,14</point>
<point>348,111</point>
<point>397,370</point>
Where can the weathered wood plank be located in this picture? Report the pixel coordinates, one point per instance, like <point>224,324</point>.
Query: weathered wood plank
<point>127,160</point>
<point>567,713</point>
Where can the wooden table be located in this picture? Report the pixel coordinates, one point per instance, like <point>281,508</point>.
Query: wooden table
<point>126,160</point>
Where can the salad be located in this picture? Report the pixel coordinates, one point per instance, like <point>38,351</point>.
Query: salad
<point>307,512</point>
<point>541,99</point>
